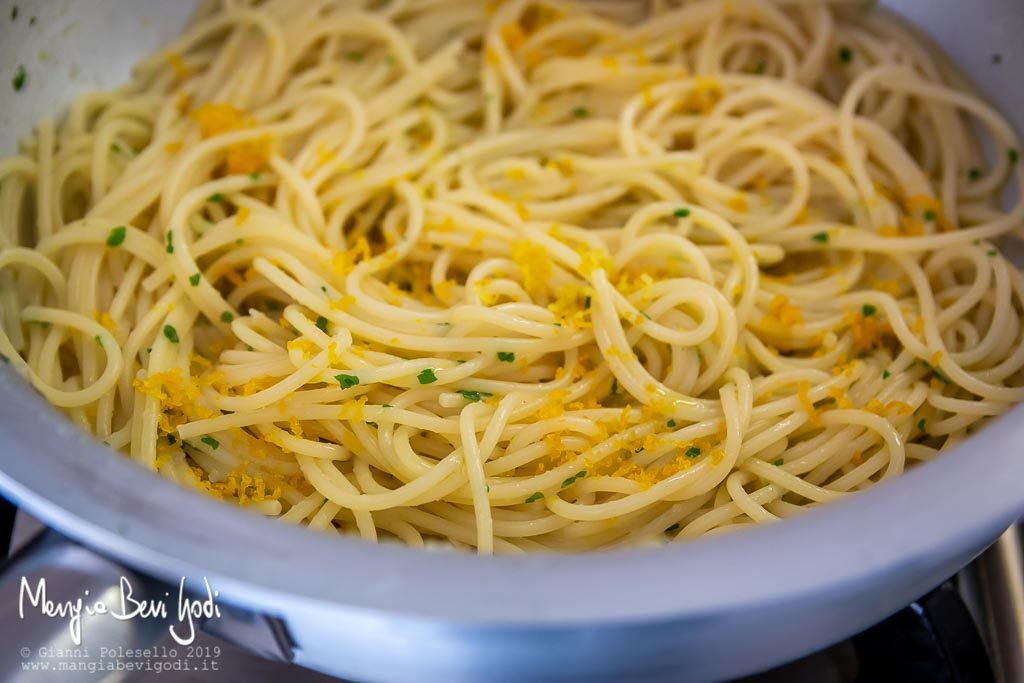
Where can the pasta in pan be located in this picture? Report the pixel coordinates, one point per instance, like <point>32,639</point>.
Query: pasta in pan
<point>520,276</point>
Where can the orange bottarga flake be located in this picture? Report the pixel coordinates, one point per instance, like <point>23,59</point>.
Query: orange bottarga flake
<point>805,401</point>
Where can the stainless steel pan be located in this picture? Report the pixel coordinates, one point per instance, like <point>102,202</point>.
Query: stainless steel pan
<point>706,610</point>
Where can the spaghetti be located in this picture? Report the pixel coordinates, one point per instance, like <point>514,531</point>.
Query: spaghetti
<point>519,276</point>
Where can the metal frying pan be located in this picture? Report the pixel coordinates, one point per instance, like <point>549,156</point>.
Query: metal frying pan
<point>706,610</point>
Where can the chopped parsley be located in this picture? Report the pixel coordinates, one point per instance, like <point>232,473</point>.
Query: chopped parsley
<point>255,175</point>
<point>586,303</point>
<point>535,497</point>
<point>779,462</point>
<point>115,148</point>
<point>170,243</point>
<point>355,56</point>
<point>820,237</point>
<point>1014,155</point>
<point>845,54</point>
<point>227,316</point>
<point>681,213</point>
<point>920,425</point>
<point>572,480</point>
<point>997,58</point>
<point>674,528</point>
<point>760,67</point>
<point>506,356</point>
<point>427,377</point>
<point>993,252</point>
<point>868,310</point>
<point>321,322</point>
<point>171,334</point>
<point>211,442</point>
<point>217,198</point>
<point>347,381</point>
<point>14,13</point>
<point>116,236</point>
<point>615,385</point>
<point>886,374</point>
<point>692,452</point>
<point>18,82</point>
<point>930,216</point>
<point>390,60</point>
<point>671,423</point>
<point>172,439</point>
<point>194,279</point>
<point>580,112</point>
<point>99,341</point>
<point>974,173</point>
<point>474,396</point>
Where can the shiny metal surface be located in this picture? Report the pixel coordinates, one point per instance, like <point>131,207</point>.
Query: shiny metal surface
<point>714,608</point>
<point>68,572</point>
<point>1000,578</point>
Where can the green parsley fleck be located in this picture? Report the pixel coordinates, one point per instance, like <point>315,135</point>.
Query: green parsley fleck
<point>572,480</point>
<point>845,54</point>
<point>355,56</point>
<point>115,148</point>
<point>779,462</point>
<point>692,452</point>
<point>18,82</point>
<point>974,173</point>
<point>820,237</point>
<point>116,236</point>
<point>227,316</point>
<point>171,334</point>
<point>172,439</point>
<point>580,112</point>
<point>671,423</point>
<point>920,425</point>
<point>474,396</point>
<point>506,356</point>
<point>681,213</point>
<point>390,60</point>
<point>868,310</point>
<point>321,322</point>
<point>347,381</point>
<point>674,528</point>
<point>535,497</point>
<point>255,175</point>
<point>993,252</point>
<point>886,374</point>
<point>194,279</point>
<point>427,377</point>
<point>99,341</point>
<point>217,198</point>
<point>170,243</point>
<point>760,67</point>
<point>14,13</point>
<point>211,442</point>
<point>387,405</point>
<point>586,303</point>
<point>930,216</point>
<point>997,58</point>
<point>615,385</point>
<point>1014,155</point>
